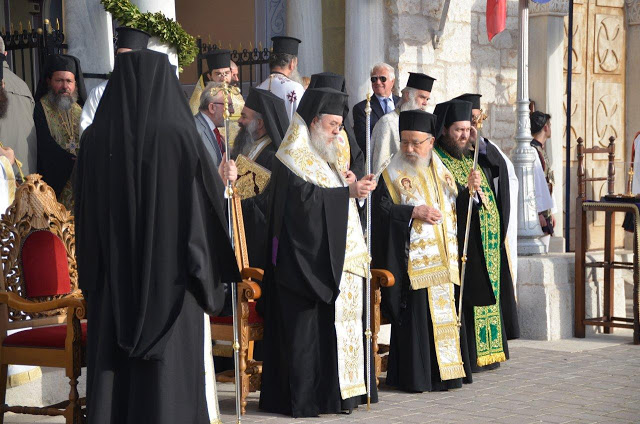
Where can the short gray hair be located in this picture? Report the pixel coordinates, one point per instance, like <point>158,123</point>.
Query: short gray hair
<point>386,67</point>
<point>211,90</point>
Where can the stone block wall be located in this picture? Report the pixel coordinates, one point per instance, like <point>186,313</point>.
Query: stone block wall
<point>465,62</point>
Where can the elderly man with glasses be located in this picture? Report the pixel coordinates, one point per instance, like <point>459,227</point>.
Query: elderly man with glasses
<point>383,101</point>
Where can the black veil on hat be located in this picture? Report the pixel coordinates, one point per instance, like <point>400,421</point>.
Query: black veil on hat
<point>142,145</point>
<point>420,81</point>
<point>131,38</point>
<point>450,112</point>
<point>285,44</point>
<point>61,62</point>
<point>470,97</point>
<point>218,59</point>
<point>273,112</point>
<point>418,120</point>
<point>316,101</point>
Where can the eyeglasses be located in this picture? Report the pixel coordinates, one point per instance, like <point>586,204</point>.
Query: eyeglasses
<point>335,125</point>
<point>375,79</point>
<point>414,144</point>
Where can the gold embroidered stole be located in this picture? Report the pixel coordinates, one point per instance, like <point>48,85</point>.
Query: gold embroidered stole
<point>344,152</point>
<point>64,127</point>
<point>433,251</point>
<point>252,178</point>
<point>297,154</point>
<point>487,320</point>
<point>194,101</point>
<point>11,179</point>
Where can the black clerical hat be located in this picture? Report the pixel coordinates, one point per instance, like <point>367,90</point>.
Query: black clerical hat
<point>131,38</point>
<point>316,101</point>
<point>218,59</point>
<point>538,121</point>
<point>469,97</point>
<point>327,80</point>
<point>61,62</point>
<point>274,114</point>
<point>420,81</point>
<point>450,112</point>
<point>284,44</point>
<point>418,120</point>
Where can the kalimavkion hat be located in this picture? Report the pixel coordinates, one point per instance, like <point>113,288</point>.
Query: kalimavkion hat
<point>418,120</point>
<point>218,59</point>
<point>131,38</point>
<point>284,44</point>
<point>420,81</point>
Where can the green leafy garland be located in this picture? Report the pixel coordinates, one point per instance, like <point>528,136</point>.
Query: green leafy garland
<point>156,24</point>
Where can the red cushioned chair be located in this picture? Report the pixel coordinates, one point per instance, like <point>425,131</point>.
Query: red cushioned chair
<point>39,293</point>
<point>250,328</point>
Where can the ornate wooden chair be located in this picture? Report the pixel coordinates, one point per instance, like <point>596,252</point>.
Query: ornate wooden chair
<point>379,278</point>
<point>250,326</point>
<point>40,294</point>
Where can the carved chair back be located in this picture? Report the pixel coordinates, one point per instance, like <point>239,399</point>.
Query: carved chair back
<point>37,250</point>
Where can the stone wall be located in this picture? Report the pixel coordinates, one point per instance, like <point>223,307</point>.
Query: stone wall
<point>465,62</point>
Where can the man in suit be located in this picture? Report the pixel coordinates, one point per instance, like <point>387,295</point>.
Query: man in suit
<point>209,120</point>
<point>384,101</point>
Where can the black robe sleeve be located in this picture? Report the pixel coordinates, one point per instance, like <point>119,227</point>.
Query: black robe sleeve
<point>53,162</point>
<point>357,165</point>
<point>390,250</point>
<point>359,124</point>
<point>308,235</point>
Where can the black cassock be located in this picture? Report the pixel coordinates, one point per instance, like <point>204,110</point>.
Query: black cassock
<point>307,234</point>
<point>152,248</point>
<point>494,167</point>
<point>413,364</point>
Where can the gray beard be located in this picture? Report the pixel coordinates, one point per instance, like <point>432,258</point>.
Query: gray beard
<point>452,147</point>
<point>62,102</point>
<point>244,141</point>
<point>418,163</point>
<point>295,76</point>
<point>411,104</point>
<point>324,144</point>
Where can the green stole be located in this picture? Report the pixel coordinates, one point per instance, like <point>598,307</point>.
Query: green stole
<point>488,325</point>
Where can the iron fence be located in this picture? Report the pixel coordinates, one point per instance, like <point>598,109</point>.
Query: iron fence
<point>252,63</point>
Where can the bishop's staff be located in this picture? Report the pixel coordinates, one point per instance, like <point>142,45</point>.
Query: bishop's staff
<point>476,150</point>
<point>367,332</point>
<point>227,90</point>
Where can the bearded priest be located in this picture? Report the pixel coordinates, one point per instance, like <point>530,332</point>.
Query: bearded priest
<point>489,319</point>
<point>415,226</point>
<point>314,351</point>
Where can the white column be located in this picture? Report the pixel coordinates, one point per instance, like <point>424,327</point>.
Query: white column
<point>546,88</point>
<point>633,71</point>
<point>529,231</point>
<point>304,21</point>
<point>89,35</point>
<point>168,9</point>
<point>364,42</point>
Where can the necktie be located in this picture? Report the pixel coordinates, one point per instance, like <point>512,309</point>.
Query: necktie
<point>220,140</point>
<point>386,105</point>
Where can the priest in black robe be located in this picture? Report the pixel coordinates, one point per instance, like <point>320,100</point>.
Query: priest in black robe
<point>59,98</point>
<point>414,236</point>
<point>152,250</point>
<point>490,319</point>
<point>313,297</point>
<point>352,155</point>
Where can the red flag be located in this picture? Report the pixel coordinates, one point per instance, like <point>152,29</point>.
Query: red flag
<point>496,17</point>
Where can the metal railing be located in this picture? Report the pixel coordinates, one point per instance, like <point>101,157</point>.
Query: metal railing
<point>28,48</point>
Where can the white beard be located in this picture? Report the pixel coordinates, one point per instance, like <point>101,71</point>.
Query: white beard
<point>324,144</point>
<point>411,104</point>
<point>418,163</point>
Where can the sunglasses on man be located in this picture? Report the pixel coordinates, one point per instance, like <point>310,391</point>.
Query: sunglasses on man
<point>382,78</point>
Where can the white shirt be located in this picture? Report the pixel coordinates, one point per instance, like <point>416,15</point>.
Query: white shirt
<point>91,105</point>
<point>288,90</point>
<point>390,104</point>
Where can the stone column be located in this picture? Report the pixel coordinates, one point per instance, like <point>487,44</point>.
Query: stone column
<point>546,88</point>
<point>633,71</point>
<point>168,9</point>
<point>364,43</point>
<point>529,231</point>
<point>304,21</point>
<point>89,35</point>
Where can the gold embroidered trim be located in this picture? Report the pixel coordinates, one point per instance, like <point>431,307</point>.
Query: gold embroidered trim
<point>352,391</point>
<point>491,359</point>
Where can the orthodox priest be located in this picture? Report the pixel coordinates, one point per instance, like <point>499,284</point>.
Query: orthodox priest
<point>415,229</point>
<point>351,157</point>
<point>127,39</point>
<point>148,281</point>
<point>314,352</point>
<point>59,99</point>
<point>490,315</point>
<point>385,137</point>
<point>263,122</point>
<point>284,78</point>
<point>505,184</point>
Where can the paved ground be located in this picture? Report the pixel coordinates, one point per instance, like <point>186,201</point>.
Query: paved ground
<point>596,380</point>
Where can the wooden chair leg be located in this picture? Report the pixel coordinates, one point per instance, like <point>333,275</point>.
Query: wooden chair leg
<point>3,388</point>
<point>636,298</point>
<point>609,257</point>
<point>73,412</point>
<point>243,338</point>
